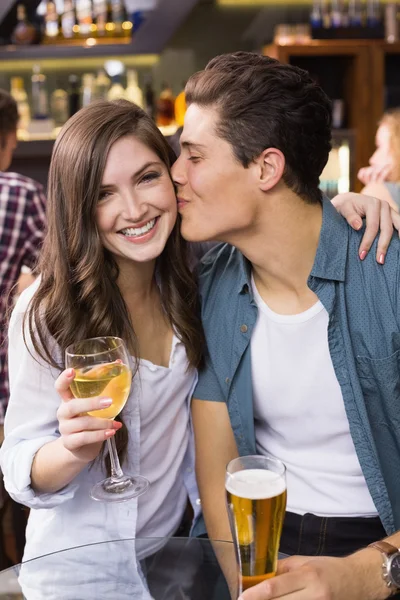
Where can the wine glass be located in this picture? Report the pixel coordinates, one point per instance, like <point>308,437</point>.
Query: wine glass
<point>102,366</point>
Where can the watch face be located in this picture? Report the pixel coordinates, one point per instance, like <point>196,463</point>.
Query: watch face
<point>395,569</point>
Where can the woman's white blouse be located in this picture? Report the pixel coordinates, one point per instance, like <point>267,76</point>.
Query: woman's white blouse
<point>157,415</point>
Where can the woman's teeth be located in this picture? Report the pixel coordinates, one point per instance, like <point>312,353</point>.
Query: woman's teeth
<point>136,231</point>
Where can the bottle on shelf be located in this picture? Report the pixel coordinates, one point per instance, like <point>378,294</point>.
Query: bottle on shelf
<point>316,14</point>
<point>116,91</point>
<point>24,32</point>
<point>74,95</point>
<point>392,22</point>
<point>180,107</point>
<point>52,30</point>
<point>59,106</point>
<point>337,14</point>
<point>69,20</point>
<point>149,98</point>
<point>88,88</point>
<point>133,93</point>
<point>20,96</point>
<point>100,16</point>
<point>40,106</point>
<point>118,13</point>
<point>102,85</point>
<point>355,13</point>
<point>85,18</point>
<point>165,106</point>
<point>374,16</point>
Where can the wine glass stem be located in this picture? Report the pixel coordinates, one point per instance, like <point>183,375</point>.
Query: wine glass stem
<point>116,471</point>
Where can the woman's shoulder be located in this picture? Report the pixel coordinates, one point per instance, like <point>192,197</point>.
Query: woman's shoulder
<point>24,299</point>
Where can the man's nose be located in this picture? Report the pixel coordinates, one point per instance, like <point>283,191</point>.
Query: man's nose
<point>177,171</point>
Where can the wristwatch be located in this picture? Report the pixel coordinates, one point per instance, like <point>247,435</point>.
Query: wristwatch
<point>390,564</point>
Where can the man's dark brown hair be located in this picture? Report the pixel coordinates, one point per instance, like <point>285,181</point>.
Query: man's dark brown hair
<point>8,116</point>
<point>263,103</point>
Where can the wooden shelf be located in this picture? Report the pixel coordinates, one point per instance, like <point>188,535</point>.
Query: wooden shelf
<point>150,38</point>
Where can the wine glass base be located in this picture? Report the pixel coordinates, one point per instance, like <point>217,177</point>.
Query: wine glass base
<point>119,490</point>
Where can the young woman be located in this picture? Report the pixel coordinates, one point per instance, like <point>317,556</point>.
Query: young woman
<point>382,177</point>
<point>113,263</point>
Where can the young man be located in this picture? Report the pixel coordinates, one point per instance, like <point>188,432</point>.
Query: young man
<point>22,223</point>
<point>303,337</point>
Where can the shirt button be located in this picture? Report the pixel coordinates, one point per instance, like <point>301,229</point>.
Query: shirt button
<point>227,380</point>
<point>198,501</point>
<point>243,328</point>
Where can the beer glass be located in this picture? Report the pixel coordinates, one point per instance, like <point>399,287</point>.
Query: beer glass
<point>102,367</point>
<point>256,503</point>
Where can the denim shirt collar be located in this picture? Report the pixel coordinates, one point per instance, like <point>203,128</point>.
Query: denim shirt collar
<point>330,259</point>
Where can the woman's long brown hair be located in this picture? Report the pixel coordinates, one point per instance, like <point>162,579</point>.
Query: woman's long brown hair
<point>78,296</point>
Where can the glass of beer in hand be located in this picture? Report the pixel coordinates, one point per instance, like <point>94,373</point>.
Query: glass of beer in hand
<point>102,368</point>
<point>256,502</point>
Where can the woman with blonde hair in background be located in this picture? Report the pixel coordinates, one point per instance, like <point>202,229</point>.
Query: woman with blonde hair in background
<point>382,177</point>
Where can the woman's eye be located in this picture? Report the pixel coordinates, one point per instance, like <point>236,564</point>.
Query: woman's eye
<point>194,158</point>
<point>149,177</point>
<point>104,196</point>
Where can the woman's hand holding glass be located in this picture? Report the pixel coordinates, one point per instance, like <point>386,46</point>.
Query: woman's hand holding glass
<point>83,435</point>
<point>101,387</point>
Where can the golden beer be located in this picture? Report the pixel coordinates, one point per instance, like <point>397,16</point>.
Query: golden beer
<point>111,380</point>
<point>256,501</point>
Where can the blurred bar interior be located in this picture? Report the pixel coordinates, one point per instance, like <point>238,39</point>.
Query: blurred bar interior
<point>59,55</point>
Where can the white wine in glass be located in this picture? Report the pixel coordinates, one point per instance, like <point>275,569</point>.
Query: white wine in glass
<point>102,367</point>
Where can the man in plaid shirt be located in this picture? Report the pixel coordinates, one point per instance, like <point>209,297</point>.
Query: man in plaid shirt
<point>22,224</point>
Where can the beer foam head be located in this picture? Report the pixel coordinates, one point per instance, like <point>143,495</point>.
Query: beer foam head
<point>255,484</point>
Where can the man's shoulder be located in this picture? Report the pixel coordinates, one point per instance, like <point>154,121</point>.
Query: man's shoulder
<point>15,180</point>
<point>219,271</point>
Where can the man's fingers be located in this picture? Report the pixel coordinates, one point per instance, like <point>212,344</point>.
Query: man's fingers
<point>63,382</point>
<point>282,586</point>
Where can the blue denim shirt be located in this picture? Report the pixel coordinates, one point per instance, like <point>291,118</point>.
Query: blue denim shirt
<point>362,300</point>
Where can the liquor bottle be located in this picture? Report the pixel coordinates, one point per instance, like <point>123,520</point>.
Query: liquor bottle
<point>118,16</point>
<point>102,85</point>
<point>165,106</point>
<point>88,88</point>
<point>21,98</point>
<point>69,20</point>
<point>52,30</point>
<point>116,91</point>
<point>85,18</point>
<point>40,107</point>
<point>392,22</point>
<point>180,107</point>
<point>336,14</point>
<point>316,14</point>
<point>149,99</point>
<point>24,32</point>
<point>100,15</point>
<point>133,93</point>
<point>74,95</point>
<point>59,106</point>
<point>355,13</point>
<point>374,17</point>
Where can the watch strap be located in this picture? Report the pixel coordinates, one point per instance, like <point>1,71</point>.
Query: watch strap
<point>387,550</point>
<point>384,547</point>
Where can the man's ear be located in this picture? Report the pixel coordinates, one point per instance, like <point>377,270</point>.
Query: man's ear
<point>271,164</point>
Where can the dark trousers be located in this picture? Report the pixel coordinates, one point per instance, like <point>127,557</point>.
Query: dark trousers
<point>309,535</point>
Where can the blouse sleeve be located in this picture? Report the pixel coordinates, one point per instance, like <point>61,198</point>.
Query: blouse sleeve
<point>31,420</point>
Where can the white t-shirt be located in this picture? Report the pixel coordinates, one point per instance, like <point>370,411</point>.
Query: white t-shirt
<point>300,416</point>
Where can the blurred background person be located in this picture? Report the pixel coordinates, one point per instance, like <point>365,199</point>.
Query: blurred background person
<point>22,224</point>
<point>382,177</point>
